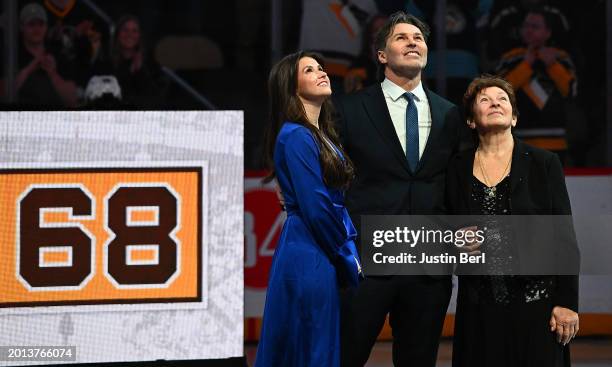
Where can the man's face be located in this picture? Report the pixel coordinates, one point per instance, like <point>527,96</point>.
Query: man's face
<point>534,31</point>
<point>405,53</point>
<point>34,31</point>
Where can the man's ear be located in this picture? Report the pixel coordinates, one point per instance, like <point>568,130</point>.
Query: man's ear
<point>382,56</point>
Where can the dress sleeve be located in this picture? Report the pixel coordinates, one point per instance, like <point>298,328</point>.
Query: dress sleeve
<point>566,294</point>
<point>318,211</point>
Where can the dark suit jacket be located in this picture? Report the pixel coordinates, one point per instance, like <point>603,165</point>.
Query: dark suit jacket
<point>384,183</point>
<point>537,187</point>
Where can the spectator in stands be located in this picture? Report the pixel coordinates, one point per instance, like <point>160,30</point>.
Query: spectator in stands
<point>78,35</point>
<point>543,76</point>
<point>138,75</point>
<point>506,20</point>
<point>334,28</point>
<point>42,80</point>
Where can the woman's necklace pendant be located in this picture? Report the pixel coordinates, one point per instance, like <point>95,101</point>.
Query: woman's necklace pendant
<point>490,191</point>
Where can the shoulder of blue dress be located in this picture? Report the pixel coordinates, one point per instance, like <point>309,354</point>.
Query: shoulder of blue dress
<point>293,129</point>
<point>290,126</point>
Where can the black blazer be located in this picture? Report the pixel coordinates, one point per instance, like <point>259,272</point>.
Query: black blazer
<point>537,187</point>
<point>384,183</point>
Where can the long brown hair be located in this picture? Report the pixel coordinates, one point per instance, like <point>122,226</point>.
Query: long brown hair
<point>285,105</point>
<point>116,48</point>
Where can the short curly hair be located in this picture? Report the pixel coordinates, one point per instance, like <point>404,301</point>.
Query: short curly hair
<point>482,82</point>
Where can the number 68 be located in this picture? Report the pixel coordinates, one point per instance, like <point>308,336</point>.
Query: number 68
<point>35,236</point>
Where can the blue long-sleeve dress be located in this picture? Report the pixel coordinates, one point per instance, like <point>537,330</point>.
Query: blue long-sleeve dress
<point>301,319</point>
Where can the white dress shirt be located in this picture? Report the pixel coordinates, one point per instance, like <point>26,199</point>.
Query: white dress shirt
<point>397,104</point>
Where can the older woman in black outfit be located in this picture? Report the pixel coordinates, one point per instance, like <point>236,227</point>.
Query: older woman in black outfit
<point>509,320</point>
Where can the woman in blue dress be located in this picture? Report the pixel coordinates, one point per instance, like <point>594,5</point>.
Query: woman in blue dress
<point>315,251</point>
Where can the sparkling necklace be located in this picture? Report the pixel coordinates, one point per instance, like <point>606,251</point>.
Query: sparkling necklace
<point>490,191</point>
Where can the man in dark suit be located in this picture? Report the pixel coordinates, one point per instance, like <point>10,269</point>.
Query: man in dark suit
<point>400,137</point>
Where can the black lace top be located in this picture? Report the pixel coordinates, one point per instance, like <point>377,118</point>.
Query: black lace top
<point>499,287</point>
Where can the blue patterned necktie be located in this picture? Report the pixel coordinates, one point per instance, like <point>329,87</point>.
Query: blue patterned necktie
<point>412,132</point>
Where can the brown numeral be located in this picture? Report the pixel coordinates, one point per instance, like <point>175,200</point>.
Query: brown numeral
<point>125,235</point>
<point>33,235</point>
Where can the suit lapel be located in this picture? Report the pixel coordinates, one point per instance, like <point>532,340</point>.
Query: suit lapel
<point>521,159</point>
<point>378,112</point>
<point>465,166</point>
<point>437,121</point>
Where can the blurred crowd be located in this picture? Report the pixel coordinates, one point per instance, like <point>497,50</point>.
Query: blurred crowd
<point>71,54</point>
<point>546,49</point>
<point>64,64</point>
<point>550,50</point>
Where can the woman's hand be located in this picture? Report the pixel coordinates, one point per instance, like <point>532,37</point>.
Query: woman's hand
<point>565,322</point>
<point>349,273</point>
<point>471,246</point>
